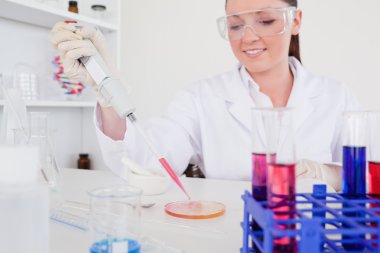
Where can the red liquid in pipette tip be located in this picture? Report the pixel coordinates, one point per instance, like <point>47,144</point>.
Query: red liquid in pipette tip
<point>172,174</point>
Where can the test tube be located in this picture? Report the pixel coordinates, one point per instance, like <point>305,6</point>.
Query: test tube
<point>354,153</point>
<point>259,154</point>
<point>373,120</point>
<point>354,168</point>
<point>259,162</point>
<point>281,172</point>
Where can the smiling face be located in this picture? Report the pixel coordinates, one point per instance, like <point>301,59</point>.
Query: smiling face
<point>260,53</point>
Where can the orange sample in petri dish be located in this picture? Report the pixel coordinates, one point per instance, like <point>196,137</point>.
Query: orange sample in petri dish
<point>195,209</point>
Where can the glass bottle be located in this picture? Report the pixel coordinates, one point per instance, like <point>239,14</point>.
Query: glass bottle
<point>84,162</point>
<point>98,11</point>
<point>73,6</point>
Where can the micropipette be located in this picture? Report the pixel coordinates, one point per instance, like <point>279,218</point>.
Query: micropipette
<point>160,158</point>
<point>116,94</point>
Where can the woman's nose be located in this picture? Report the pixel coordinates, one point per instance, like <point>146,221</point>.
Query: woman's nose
<point>249,34</point>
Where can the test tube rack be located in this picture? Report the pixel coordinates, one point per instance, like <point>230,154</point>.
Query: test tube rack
<point>323,222</point>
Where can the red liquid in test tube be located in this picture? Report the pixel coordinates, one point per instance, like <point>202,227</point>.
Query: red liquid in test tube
<point>259,176</point>
<point>281,199</point>
<point>374,177</point>
<point>259,183</point>
<point>374,188</point>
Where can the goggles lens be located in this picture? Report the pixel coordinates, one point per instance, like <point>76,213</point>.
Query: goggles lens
<point>264,23</point>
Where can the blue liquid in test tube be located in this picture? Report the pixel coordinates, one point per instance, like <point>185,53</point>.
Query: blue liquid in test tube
<point>354,184</point>
<point>354,173</point>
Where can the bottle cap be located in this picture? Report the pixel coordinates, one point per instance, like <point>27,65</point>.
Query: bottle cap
<point>19,164</point>
<point>98,7</point>
<point>83,155</point>
<point>73,3</point>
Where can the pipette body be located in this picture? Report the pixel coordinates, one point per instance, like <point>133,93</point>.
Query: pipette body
<point>116,94</point>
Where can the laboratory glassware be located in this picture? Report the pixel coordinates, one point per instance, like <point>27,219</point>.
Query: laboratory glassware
<point>354,153</point>
<point>25,79</point>
<point>280,149</point>
<point>259,160</point>
<point>24,201</point>
<point>115,219</point>
<point>39,136</point>
<point>84,162</point>
<point>373,118</point>
<point>354,164</point>
<point>73,6</point>
<point>195,209</point>
<point>259,155</point>
<point>98,11</point>
<point>14,125</point>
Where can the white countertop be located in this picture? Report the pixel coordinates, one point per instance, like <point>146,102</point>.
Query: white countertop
<point>222,234</point>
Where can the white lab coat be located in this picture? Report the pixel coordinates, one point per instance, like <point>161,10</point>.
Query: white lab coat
<point>209,124</point>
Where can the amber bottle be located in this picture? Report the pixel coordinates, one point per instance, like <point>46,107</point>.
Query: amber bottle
<point>73,6</point>
<point>84,162</point>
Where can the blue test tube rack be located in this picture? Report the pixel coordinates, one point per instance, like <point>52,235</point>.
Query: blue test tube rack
<point>321,222</point>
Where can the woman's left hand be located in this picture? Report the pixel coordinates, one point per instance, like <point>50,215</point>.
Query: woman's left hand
<point>329,173</point>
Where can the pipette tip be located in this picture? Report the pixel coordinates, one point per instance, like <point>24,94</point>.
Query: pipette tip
<point>161,159</point>
<point>172,174</point>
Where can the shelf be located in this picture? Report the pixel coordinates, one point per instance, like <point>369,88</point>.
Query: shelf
<point>66,104</point>
<point>39,14</point>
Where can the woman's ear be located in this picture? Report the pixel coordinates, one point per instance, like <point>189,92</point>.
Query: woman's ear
<point>297,22</point>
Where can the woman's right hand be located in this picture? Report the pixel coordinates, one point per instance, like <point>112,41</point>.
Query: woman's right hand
<point>73,43</point>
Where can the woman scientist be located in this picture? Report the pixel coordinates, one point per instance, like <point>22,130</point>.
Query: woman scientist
<point>208,124</point>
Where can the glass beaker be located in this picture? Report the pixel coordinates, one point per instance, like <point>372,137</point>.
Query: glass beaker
<point>278,136</point>
<point>39,136</point>
<point>115,219</point>
<point>25,79</point>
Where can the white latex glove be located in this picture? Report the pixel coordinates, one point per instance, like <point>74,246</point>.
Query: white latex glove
<point>151,183</point>
<point>328,173</point>
<point>73,43</point>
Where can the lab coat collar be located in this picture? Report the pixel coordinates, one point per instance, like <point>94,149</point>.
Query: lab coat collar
<point>302,93</point>
<point>239,102</point>
<point>247,79</point>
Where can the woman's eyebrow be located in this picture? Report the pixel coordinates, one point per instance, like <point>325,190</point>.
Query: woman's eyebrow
<point>236,16</point>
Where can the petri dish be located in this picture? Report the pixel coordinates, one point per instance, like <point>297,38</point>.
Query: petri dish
<point>195,209</point>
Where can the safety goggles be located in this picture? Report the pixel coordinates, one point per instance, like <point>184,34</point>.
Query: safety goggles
<point>263,22</point>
